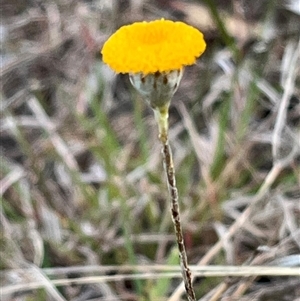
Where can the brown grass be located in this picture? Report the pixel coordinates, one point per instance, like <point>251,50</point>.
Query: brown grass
<point>84,204</point>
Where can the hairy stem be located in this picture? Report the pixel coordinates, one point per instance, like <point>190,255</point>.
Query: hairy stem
<point>162,119</point>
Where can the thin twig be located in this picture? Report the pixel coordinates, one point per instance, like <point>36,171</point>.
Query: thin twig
<point>283,105</point>
<point>288,267</point>
<point>58,143</point>
<point>27,279</point>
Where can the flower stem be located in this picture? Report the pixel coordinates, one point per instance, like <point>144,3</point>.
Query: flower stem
<point>162,120</point>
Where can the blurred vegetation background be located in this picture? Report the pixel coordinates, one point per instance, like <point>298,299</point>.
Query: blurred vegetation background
<point>83,193</point>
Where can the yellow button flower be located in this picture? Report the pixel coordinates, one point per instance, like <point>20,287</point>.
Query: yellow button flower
<point>154,54</point>
<point>156,46</point>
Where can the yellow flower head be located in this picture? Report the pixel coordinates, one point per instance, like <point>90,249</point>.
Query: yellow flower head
<point>156,46</point>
